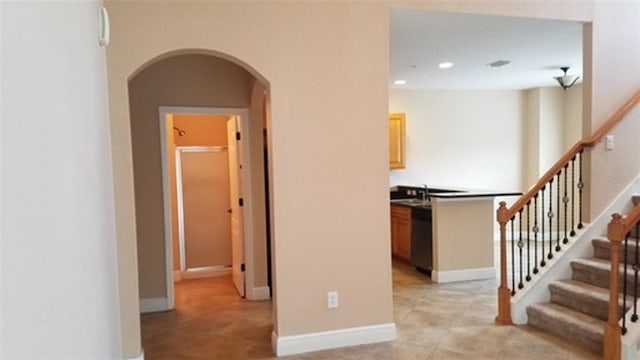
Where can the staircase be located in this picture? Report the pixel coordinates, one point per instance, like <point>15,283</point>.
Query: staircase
<point>578,307</point>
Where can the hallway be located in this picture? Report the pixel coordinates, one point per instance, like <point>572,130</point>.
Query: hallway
<point>449,321</point>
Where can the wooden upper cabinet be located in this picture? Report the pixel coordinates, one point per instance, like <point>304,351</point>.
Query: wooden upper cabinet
<point>396,141</point>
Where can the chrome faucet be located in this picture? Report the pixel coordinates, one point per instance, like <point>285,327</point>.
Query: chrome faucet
<point>425,193</point>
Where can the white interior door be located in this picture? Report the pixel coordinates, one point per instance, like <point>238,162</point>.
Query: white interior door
<point>237,211</point>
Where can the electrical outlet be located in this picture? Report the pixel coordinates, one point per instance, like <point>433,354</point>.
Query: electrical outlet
<point>332,299</point>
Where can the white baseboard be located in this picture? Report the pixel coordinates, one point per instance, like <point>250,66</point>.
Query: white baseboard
<point>259,293</point>
<point>204,272</point>
<point>448,276</point>
<point>154,305</point>
<point>177,275</point>
<point>139,357</point>
<point>296,344</point>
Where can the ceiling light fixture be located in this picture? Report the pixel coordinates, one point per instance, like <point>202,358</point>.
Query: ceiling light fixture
<point>566,81</point>
<point>445,65</point>
<point>400,82</point>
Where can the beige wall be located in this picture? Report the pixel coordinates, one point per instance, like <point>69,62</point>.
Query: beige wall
<point>553,124</point>
<point>319,98</point>
<point>572,115</point>
<point>457,247</point>
<point>201,130</point>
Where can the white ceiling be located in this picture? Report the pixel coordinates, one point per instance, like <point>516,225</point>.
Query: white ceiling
<point>420,40</point>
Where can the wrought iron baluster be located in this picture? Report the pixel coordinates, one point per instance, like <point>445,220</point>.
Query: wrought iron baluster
<point>528,278</point>
<point>543,253</point>
<point>624,286</point>
<point>565,200</point>
<point>550,216</point>
<point>535,234</point>
<point>513,256</point>
<point>558,212</point>
<point>580,186</point>
<point>573,196</point>
<point>520,246</point>
<point>636,267</point>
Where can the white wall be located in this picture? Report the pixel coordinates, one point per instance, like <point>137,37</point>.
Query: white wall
<point>59,289</point>
<point>465,138</point>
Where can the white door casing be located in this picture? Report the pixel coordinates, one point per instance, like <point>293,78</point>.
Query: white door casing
<point>234,144</point>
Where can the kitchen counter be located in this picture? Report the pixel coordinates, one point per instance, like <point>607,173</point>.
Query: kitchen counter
<point>448,192</point>
<point>463,223</point>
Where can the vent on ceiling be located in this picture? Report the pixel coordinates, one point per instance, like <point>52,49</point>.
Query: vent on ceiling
<point>499,63</point>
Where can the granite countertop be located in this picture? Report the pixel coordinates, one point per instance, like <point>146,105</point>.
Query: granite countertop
<point>448,192</point>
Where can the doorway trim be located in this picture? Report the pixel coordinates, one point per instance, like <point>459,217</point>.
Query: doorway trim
<point>243,113</point>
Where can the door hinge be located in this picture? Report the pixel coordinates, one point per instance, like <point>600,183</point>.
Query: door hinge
<point>241,202</point>
<point>242,267</point>
<point>238,136</point>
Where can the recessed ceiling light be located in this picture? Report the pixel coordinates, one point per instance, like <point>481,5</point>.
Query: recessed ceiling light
<point>445,65</point>
<point>400,82</point>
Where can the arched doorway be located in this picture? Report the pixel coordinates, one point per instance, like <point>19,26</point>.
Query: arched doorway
<point>194,79</point>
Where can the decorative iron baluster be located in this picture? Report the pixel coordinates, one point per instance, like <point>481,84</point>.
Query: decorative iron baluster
<point>528,278</point>
<point>624,286</point>
<point>573,196</point>
<point>580,186</point>
<point>565,200</point>
<point>543,253</point>
<point>636,267</point>
<point>520,246</point>
<point>535,234</point>
<point>550,216</point>
<point>513,257</point>
<point>558,212</point>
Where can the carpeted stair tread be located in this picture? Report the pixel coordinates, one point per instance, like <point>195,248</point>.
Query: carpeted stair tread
<point>602,248</point>
<point>574,326</point>
<point>585,298</point>
<point>596,271</point>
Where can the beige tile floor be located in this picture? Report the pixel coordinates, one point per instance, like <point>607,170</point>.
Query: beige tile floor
<point>434,321</point>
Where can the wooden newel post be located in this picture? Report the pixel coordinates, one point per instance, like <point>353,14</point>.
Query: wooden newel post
<point>612,331</point>
<point>504,295</point>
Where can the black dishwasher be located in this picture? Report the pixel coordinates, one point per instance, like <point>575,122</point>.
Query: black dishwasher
<point>421,239</point>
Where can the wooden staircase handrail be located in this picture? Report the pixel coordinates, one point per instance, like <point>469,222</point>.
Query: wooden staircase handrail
<point>591,141</point>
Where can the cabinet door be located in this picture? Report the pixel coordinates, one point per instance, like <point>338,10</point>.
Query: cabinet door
<point>404,239</point>
<point>401,232</point>
<point>396,141</point>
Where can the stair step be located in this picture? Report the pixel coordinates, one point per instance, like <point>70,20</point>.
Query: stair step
<point>635,199</point>
<point>596,271</point>
<point>602,248</point>
<point>586,298</point>
<point>574,326</point>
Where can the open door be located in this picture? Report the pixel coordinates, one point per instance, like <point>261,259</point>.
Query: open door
<point>237,209</point>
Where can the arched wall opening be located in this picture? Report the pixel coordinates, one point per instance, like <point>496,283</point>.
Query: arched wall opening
<point>194,79</point>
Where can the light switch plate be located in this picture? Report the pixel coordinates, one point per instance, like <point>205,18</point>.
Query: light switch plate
<point>609,142</point>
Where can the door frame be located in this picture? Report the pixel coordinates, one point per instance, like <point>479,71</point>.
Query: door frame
<point>243,113</point>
